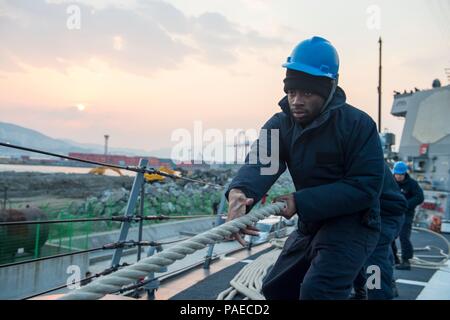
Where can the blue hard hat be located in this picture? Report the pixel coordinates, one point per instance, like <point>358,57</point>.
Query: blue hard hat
<point>400,167</point>
<point>315,56</point>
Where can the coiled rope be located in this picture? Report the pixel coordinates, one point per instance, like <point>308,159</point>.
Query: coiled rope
<point>419,262</point>
<point>248,281</point>
<point>114,282</point>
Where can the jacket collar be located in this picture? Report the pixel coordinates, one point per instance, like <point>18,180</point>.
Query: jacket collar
<point>406,180</point>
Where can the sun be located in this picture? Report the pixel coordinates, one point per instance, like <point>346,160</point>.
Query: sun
<point>81,107</point>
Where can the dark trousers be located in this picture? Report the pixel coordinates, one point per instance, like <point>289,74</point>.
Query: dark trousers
<point>382,257</point>
<point>395,251</point>
<point>405,237</point>
<point>321,266</point>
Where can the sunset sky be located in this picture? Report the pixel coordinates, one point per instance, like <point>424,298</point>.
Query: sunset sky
<point>138,70</point>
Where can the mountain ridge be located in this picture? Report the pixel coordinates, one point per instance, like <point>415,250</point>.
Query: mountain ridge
<point>26,137</point>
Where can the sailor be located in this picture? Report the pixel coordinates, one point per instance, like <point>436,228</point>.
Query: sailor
<point>414,196</point>
<point>336,162</point>
<point>393,206</point>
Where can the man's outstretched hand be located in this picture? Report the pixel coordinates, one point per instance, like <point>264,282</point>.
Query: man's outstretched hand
<point>290,208</point>
<point>237,207</point>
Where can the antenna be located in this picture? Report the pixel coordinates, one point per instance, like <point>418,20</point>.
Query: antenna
<point>380,42</point>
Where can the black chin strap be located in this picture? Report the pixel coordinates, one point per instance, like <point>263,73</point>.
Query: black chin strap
<point>330,96</point>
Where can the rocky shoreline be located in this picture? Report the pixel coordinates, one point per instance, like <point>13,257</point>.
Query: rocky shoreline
<point>83,194</point>
<point>66,185</point>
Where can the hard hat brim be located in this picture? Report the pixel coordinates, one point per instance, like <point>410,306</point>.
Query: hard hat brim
<point>308,69</point>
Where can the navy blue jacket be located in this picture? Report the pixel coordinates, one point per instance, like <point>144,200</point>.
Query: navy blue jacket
<point>392,201</point>
<point>412,192</point>
<point>336,163</point>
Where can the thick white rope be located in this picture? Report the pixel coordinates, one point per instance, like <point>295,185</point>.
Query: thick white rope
<point>248,281</point>
<point>115,281</point>
<point>416,261</point>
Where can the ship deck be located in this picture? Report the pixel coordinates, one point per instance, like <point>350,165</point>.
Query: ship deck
<point>416,284</point>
